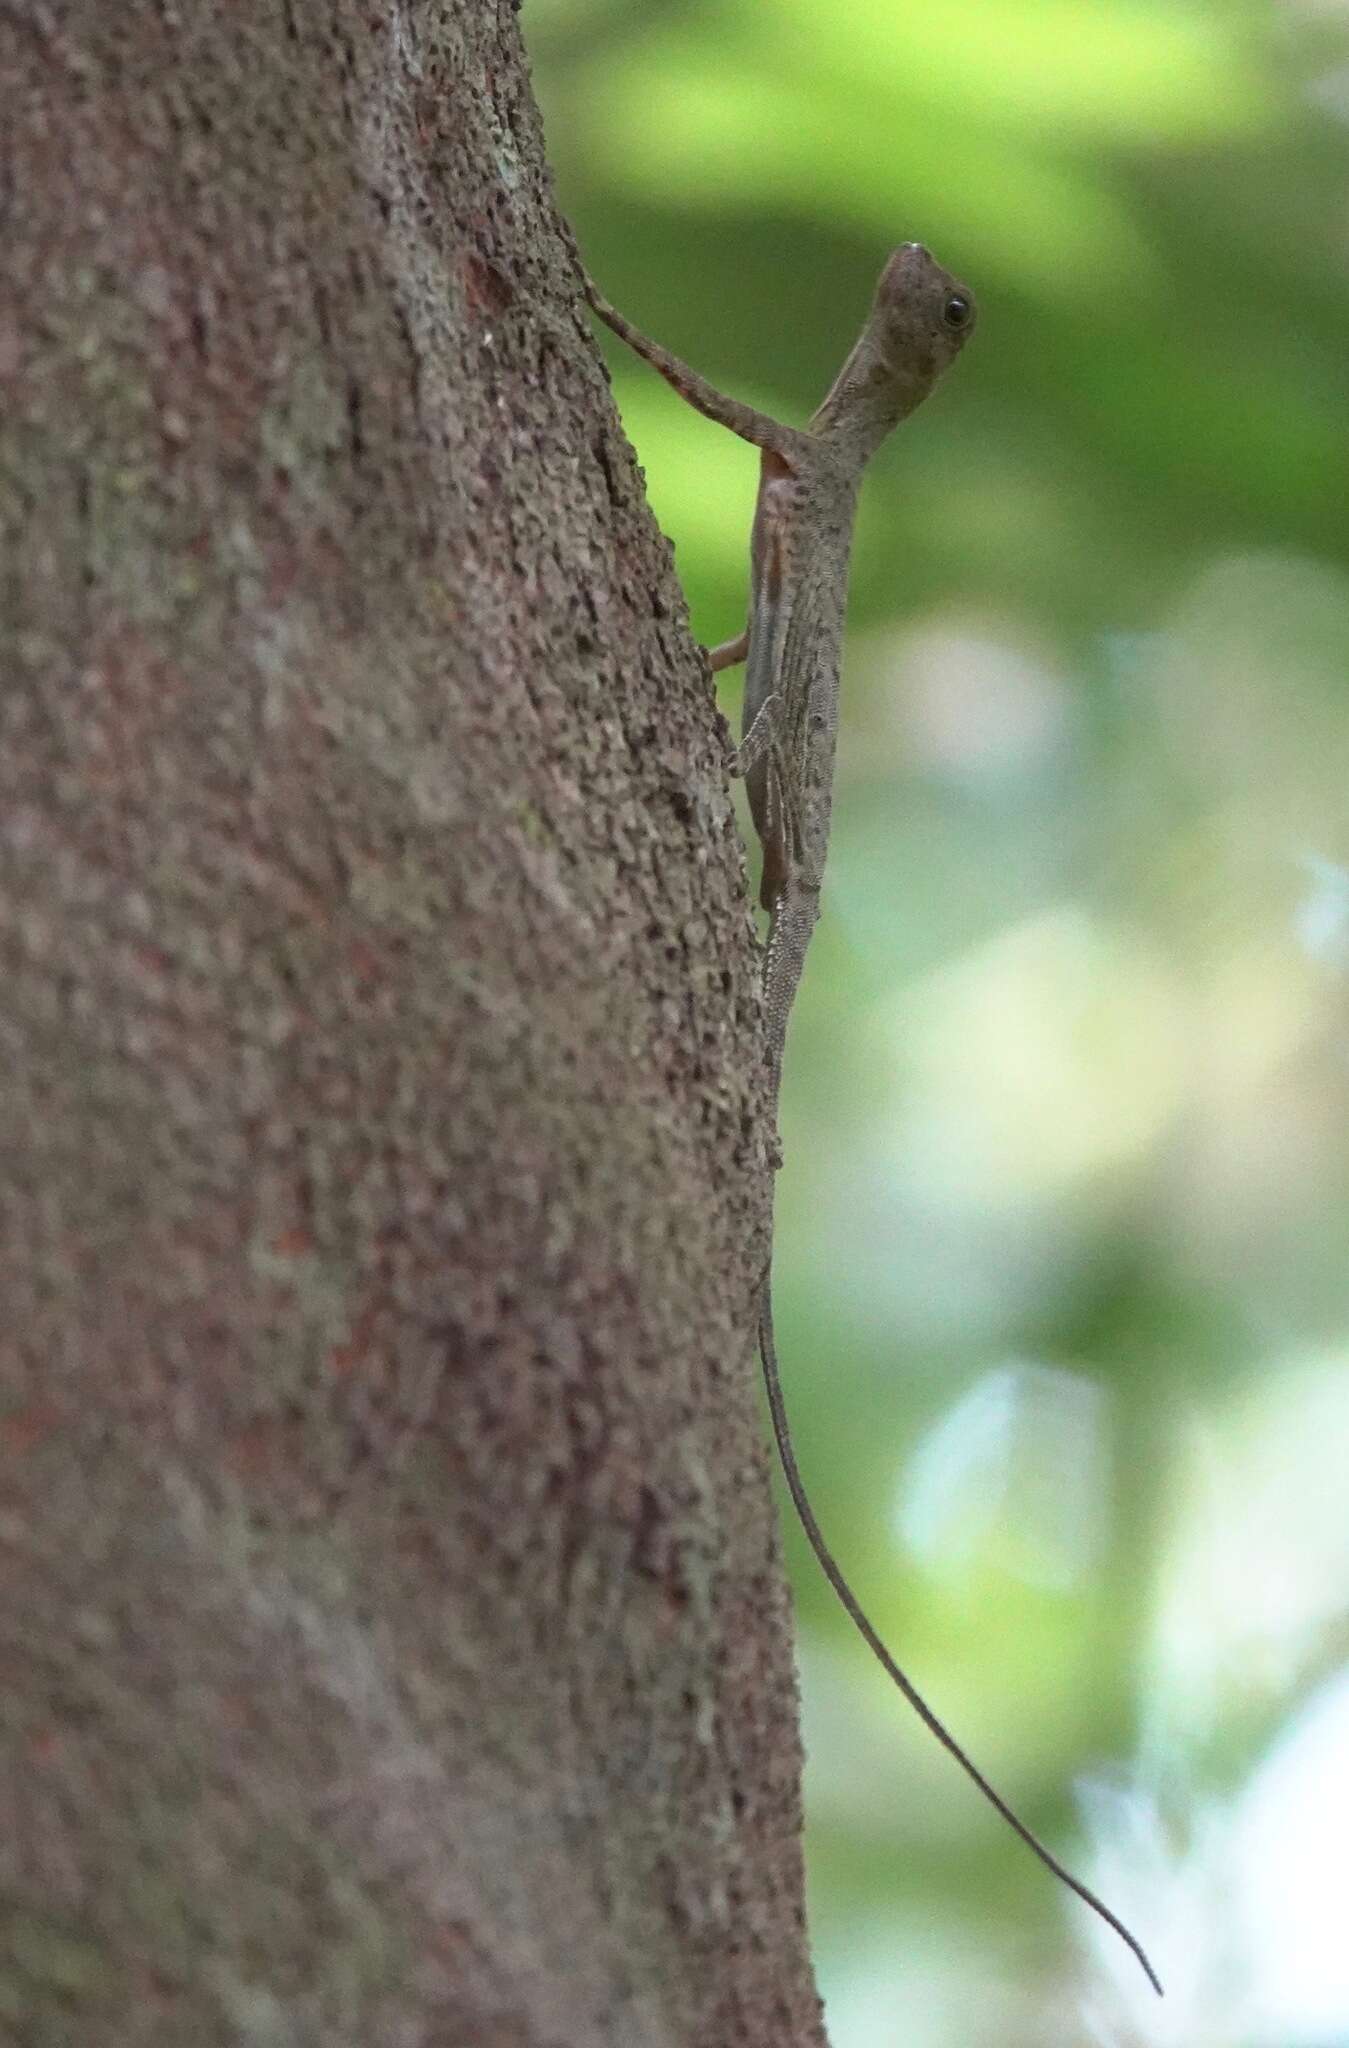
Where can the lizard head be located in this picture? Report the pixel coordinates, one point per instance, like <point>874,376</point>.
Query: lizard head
<point>920,319</point>
<point>922,315</point>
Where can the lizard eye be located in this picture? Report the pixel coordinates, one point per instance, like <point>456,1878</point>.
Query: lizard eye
<point>956,311</point>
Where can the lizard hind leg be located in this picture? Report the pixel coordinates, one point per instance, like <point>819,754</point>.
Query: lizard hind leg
<point>760,739</point>
<point>729,653</point>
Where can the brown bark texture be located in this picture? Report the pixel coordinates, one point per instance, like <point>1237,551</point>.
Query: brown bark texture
<point>394,1646</point>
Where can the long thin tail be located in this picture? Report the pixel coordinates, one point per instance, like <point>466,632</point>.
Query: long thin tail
<point>834,1574</point>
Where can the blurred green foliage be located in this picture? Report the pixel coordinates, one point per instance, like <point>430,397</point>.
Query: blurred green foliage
<point>1064,1221</point>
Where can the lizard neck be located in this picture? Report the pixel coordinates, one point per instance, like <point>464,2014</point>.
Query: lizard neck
<point>868,398</point>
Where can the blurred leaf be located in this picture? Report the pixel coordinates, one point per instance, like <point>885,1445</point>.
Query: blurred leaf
<point>1130,70</point>
<point>667,120</point>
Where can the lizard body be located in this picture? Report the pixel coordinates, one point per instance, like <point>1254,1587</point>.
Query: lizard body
<point>792,648</point>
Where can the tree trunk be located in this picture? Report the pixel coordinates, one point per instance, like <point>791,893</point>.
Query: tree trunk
<point>394,1639</point>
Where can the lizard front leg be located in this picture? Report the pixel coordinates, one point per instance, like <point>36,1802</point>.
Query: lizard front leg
<point>760,429</point>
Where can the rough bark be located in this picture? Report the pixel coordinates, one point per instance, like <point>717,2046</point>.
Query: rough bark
<point>394,1642</point>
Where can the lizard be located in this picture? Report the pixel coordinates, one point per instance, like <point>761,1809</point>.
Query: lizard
<point>809,481</point>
